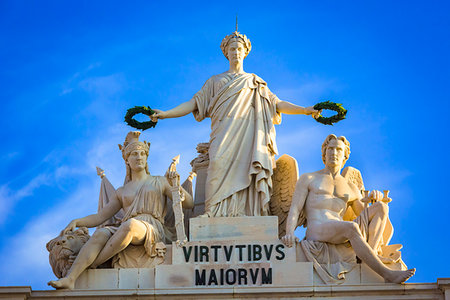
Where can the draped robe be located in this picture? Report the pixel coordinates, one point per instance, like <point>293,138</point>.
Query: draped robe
<point>242,143</point>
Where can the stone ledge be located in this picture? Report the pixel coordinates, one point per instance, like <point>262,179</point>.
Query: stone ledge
<point>374,291</point>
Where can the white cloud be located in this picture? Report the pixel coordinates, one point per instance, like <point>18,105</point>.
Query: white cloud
<point>9,198</point>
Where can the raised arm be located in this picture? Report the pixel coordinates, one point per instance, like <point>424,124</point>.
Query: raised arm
<point>292,109</point>
<point>179,111</point>
<point>96,219</point>
<point>298,202</point>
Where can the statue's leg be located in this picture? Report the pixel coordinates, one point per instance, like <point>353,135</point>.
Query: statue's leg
<point>130,232</point>
<point>340,231</point>
<point>378,214</point>
<point>84,259</point>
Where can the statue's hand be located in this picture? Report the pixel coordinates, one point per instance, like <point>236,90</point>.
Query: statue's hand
<point>289,240</point>
<point>71,227</point>
<point>159,114</point>
<point>313,112</point>
<point>376,195</point>
<point>173,177</point>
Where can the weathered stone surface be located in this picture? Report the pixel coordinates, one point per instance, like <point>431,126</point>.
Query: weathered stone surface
<point>233,229</point>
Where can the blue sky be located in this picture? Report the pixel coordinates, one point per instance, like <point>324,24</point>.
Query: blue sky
<point>70,70</point>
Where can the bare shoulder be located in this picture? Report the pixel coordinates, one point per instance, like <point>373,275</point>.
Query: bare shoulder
<point>307,177</point>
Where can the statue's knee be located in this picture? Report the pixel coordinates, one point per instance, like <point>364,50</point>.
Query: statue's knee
<point>129,226</point>
<point>382,208</point>
<point>352,229</point>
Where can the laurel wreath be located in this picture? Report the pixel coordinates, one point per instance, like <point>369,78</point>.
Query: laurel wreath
<point>131,112</point>
<point>337,107</point>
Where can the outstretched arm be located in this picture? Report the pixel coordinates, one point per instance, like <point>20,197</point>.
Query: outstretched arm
<point>298,202</point>
<point>292,109</point>
<point>179,111</point>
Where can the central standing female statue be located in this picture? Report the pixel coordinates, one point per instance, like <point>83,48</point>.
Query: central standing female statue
<point>243,112</point>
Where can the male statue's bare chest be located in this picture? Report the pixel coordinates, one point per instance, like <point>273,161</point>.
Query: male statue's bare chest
<point>330,187</point>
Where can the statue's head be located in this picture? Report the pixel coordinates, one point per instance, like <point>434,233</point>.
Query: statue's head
<point>63,246</point>
<point>236,46</point>
<point>160,249</point>
<point>335,150</point>
<point>134,153</point>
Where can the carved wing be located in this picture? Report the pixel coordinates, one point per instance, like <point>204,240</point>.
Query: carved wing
<point>354,176</point>
<point>284,178</point>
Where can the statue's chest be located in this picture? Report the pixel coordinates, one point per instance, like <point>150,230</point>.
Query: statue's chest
<point>334,187</point>
<point>131,192</point>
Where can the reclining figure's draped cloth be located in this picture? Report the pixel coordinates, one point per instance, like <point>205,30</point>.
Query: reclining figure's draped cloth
<point>242,143</point>
<point>149,208</point>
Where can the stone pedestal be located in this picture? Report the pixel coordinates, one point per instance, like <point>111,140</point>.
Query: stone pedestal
<point>233,258</point>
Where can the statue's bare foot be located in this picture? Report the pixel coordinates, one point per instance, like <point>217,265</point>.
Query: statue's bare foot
<point>63,283</point>
<point>400,276</point>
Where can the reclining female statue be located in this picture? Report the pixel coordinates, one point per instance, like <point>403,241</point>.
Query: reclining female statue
<point>142,199</point>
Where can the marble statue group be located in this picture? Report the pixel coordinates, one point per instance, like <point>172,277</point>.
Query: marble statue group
<point>137,223</point>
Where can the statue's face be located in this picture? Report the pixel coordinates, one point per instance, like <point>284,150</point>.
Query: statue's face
<point>236,52</point>
<point>71,242</point>
<point>137,160</point>
<point>335,154</point>
<point>161,252</point>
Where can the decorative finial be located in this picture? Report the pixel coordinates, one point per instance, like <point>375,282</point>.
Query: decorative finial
<point>236,23</point>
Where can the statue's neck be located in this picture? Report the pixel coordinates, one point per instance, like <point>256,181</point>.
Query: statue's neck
<point>333,170</point>
<point>236,68</point>
<point>138,175</point>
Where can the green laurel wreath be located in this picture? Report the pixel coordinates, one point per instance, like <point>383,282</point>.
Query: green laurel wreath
<point>337,107</point>
<point>131,112</point>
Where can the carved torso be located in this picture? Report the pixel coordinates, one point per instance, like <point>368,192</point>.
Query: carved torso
<point>328,198</point>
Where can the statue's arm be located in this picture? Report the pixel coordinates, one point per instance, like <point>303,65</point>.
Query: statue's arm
<point>179,111</point>
<point>298,203</point>
<point>286,107</point>
<point>94,220</point>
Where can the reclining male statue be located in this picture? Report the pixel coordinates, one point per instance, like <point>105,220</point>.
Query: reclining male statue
<point>143,201</point>
<point>320,200</point>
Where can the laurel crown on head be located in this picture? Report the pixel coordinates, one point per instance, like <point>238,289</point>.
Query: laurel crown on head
<point>236,36</point>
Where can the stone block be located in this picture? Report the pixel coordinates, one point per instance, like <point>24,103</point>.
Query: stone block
<point>103,279</point>
<point>173,276</point>
<point>82,282</point>
<point>233,229</point>
<point>128,278</point>
<point>227,275</point>
<point>293,274</point>
<point>369,276</point>
<point>233,252</point>
<point>146,278</point>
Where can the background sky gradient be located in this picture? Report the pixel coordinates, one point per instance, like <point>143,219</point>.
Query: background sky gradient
<point>70,70</point>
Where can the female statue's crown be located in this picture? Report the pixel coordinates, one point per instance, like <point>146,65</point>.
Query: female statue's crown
<point>132,143</point>
<point>236,36</point>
